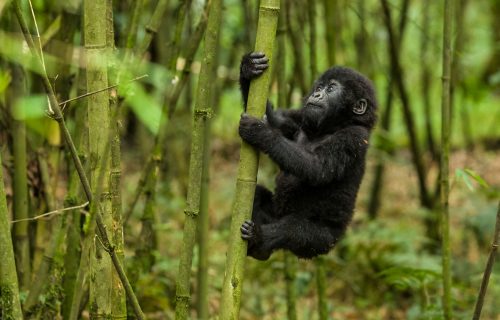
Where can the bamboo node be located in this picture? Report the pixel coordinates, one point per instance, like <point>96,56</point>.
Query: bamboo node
<point>495,245</point>
<point>191,213</point>
<point>96,46</point>
<point>203,113</point>
<point>269,9</point>
<point>182,298</point>
<point>244,180</point>
<point>151,30</point>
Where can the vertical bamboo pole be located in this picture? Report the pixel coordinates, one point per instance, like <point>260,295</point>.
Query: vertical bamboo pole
<point>445,147</point>
<point>311,6</point>
<point>20,183</point>
<point>10,306</point>
<point>331,32</point>
<point>247,171</point>
<point>105,296</point>
<point>202,113</point>
<point>289,259</point>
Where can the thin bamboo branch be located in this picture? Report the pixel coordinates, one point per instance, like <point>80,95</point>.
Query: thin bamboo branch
<point>488,269</point>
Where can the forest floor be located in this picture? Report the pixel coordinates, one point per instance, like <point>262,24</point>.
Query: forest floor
<point>357,290</point>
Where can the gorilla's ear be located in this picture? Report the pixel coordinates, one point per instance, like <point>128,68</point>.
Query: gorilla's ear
<point>360,107</point>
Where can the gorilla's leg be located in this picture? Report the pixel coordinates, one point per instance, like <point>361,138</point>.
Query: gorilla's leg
<point>262,214</point>
<point>305,238</point>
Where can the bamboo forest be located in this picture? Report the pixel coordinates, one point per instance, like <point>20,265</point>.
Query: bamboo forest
<point>249,159</point>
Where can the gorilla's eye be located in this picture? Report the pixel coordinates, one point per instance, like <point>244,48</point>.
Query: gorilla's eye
<point>332,85</point>
<point>318,88</point>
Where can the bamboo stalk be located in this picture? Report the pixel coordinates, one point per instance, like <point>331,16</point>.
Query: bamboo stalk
<point>407,111</point>
<point>179,27</point>
<point>58,116</point>
<point>10,305</point>
<point>321,285</point>
<point>291,291</point>
<point>331,7</point>
<point>445,153</point>
<point>171,100</point>
<point>47,259</point>
<point>385,123</point>
<point>203,229</point>
<point>152,27</point>
<point>202,112</point>
<point>311,10</point>
<point>296,47</point>
<point>20,181</point>
<point>488,269</point>
<point>247,170</point>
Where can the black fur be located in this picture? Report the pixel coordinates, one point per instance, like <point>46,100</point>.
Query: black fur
<point>320,150</point>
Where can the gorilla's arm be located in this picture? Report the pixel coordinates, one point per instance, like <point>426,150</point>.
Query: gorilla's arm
<point>252,66</point>
<point>287,121</point>
<point>319,163</point>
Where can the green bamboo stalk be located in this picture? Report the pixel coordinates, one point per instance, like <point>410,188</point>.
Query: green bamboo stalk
<point>39,283</point>
<point>10,306</point>
<point>77,256</point>
<point>321,285</point>
<point>133,24</point>
<point>43,272</point>
<point>203,229</point>
<point>426,75</point>
<point>20,183</point>
<point>167,111</point>
<point>202,113</point>
<point>152,27</point>
<point>106,296</point>
<point>397,74</point>
<point>297,46</point>
<point>281,70</point>
<point>204,218</point>
<point>311,10</point>
<point>289,260</point>
<point>445,153</point>
<point>247,170</point>
<point>179,27</point>
<point>489,267</point>
<point>331,8</point>
<point>385,123</point>
<point>291,291</point>
<point>57,115</point>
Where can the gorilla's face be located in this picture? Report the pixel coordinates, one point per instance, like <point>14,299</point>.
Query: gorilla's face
<point>341,96</point>
<point>325,101</point>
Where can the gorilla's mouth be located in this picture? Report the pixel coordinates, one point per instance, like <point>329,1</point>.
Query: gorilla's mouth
<point>314,105</point>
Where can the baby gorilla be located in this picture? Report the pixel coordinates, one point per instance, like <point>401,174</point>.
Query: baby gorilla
<point>320,149</point>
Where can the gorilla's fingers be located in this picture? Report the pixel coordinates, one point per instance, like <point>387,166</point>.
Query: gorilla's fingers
<point>257,55</point>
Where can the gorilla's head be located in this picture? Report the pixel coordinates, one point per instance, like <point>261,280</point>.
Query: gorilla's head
<point>340,97</point>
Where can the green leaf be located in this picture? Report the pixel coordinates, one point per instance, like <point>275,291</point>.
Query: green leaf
<point>468,175</point>
<point>462,175</point>
<point>478,178</point>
